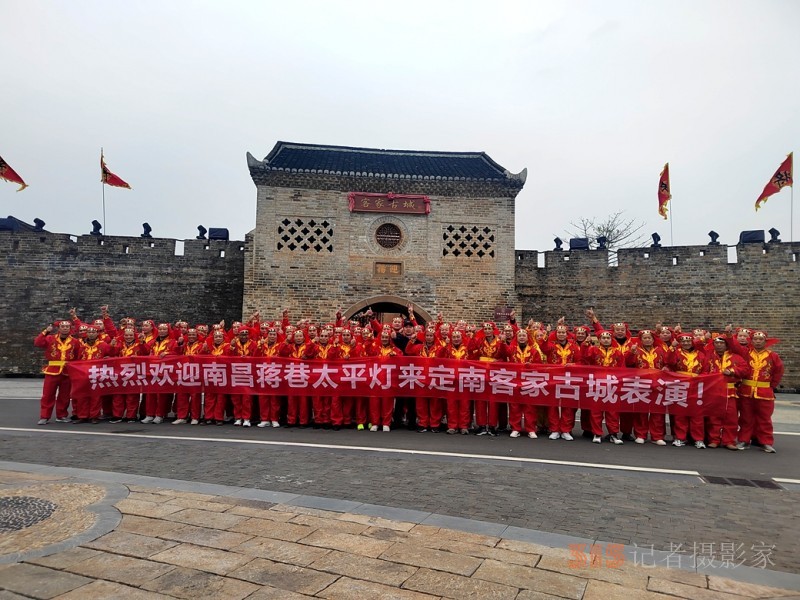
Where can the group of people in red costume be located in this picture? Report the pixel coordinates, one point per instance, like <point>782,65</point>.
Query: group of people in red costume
<point>743,356</point>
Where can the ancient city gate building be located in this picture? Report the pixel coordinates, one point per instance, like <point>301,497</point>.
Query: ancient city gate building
<point>352,228</point>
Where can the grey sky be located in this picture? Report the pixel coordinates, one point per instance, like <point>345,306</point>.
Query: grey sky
<point>592,97</point>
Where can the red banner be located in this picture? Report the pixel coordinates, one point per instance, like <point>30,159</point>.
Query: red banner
<point>9,174</point>
<point>108,178</point>
<point>575,386</point>
<point>664,194</point>
<point>784,177</point>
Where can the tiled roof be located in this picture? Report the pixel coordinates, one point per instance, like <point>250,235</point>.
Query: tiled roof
<point>14,224</point>
<point>395,164</point>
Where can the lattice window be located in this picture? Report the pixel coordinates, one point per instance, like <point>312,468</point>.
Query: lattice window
<point>305,235</point>
<point>468,241</point>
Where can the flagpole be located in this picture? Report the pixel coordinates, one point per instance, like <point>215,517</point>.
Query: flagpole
<point>671,210</point>
<point>103,184</point>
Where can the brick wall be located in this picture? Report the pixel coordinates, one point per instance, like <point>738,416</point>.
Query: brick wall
<point>695,286</point>
<point>313,281</point>
<point>45,274</point>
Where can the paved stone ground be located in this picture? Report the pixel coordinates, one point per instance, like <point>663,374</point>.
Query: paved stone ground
<point>178,544</point>
<point>665,513</point>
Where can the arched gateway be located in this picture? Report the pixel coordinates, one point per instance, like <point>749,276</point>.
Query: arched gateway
<point>358,227</point>
<point>386,308</point>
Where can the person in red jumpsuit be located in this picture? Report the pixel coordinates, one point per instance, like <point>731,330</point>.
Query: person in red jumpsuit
<point>686,358</point>
<point>758,393</point>
<point>561,351</point>
<point>524,353</point>
<point>342,407</point>
<point>126,406</point>
<point>722,426</point>
<point>324,349</point>
<point>429,410</point>
<point>242,345</point>
<point>297,412</point>
<point>188,404</point>
<point>88,408</point>
<point>381,408</point>
<point>646,354</point>
<point>269,407</point>
<point>459,415</point>
<point>487,347</point>
<point>214,409</point>
<point>59,349</point>
<point>158,405</point>
<point>605,354</point>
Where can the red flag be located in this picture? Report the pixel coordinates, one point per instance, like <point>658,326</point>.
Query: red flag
<point>781,179</point>
<point>664,195</point>
<point>9,174</point>
<point>108,177</point>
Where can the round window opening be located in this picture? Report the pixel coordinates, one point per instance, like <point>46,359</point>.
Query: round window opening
<point>388,235</point>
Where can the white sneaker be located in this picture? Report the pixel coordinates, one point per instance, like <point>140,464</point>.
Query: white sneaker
<point>532,435</point>
<point>195,421</point>
<point>246,423</point>
<point>42,422</point>
<point>639,440</point>
<point>567,436</point>
<point>237,422</point>
<point>615,440</point>
<point>515,434</point>
<point>597,439</point>
<point>263,424</point>
<point>678,443</point>
<point>276,424</point>
<point>699,445</point>
<point>660,443</point>
<point>555,435</point>
<point>374,428</point>
<point>179,422</point>
<point>387,428</point>
<point>148,420</point>
<point>158,420</point>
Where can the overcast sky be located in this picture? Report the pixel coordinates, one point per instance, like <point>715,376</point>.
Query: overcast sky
<point>591,97</point>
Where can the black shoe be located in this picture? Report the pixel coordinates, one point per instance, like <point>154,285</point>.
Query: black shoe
<point>422,430</point>
<point>483,431</point>
<point>115,420</point>
<point>587,434</point>
<point>220,423</point>
<point>316,426</point>
<point>492,432</point>
<point>78,421</point>
<point>335,428</point>
<point>627,437</point>
<point>326,425</point>
<point>95,421</point>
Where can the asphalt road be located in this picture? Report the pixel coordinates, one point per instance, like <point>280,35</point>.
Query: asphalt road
<point>630,494</point>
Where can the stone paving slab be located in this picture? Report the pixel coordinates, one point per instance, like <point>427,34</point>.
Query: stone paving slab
<point>335,555</point>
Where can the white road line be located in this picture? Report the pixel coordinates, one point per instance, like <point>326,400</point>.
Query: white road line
<point>782,480</point>
<point>544,461</point>
<point>786,432</point>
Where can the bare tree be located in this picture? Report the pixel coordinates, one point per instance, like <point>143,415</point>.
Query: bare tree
<point>619,231</point>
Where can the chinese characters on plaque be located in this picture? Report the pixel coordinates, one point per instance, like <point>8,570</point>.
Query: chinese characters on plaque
<point>389,203</point>
<point>384,268</point>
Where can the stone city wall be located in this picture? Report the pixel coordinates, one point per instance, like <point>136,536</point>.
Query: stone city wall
<point>45,274</point>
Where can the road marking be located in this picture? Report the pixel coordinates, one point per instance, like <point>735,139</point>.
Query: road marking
<point>786,433</point>
<point>544,461</point>
<point>783,480</point>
